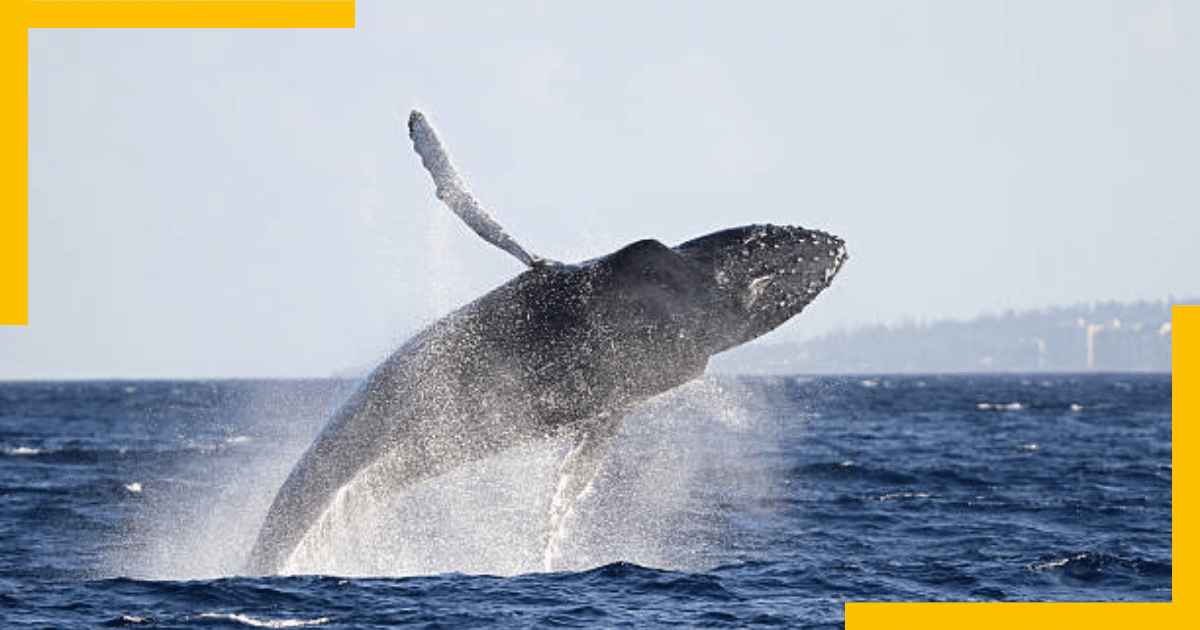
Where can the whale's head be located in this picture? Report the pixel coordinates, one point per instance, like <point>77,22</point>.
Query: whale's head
<point>763,274</point>
<point>649,303</point>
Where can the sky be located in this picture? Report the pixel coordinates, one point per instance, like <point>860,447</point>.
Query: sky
<point>246,203</point>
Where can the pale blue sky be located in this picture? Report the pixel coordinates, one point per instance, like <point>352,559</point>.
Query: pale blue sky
<point>247,202</point>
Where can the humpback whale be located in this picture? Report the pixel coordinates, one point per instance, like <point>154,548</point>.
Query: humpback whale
<point>560,351</point>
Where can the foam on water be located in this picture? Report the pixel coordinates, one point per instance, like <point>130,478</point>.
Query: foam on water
<point>20,451</point>
<point>254,622</point>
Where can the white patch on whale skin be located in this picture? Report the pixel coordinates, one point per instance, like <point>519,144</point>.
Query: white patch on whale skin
<point>756,288</point>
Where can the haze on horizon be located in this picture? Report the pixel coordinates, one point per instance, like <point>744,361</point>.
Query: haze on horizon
<point>245,203</point>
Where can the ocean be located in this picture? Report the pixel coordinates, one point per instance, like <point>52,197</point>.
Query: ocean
<point>735,502</point>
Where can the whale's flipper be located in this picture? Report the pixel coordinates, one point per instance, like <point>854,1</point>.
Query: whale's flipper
<point>575,474</point>
<point>453,192</point>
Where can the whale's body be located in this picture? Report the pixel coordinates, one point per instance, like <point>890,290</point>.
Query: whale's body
<point>560,350</point>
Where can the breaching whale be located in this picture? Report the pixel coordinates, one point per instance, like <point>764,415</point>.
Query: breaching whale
<point>562,350</point>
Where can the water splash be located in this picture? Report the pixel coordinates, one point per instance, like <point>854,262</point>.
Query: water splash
<point>483,518</point>
<point>656,491</point>
<point>654,502</point>
<point>197,513</point>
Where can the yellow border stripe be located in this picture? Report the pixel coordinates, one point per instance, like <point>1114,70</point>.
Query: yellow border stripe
<point>14,216</point>
<point>190,14</point>
<point>1185,407</point>
<point>1010,615</point>
<point>1185,413</point>
<point>18,17</point>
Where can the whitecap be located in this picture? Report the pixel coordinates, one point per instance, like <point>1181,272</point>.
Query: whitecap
<point>268,623</point>
<point>1054,564</point>
<point>1012,406</point>
<point>905,495</point>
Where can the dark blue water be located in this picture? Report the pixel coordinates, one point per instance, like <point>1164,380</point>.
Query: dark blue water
<point>738,502</point>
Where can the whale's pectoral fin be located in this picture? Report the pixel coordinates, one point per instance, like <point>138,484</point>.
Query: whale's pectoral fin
<point>454,193</point>
<point>575,474</point>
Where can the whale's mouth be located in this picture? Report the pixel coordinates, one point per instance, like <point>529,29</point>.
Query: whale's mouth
<point>766,273</point>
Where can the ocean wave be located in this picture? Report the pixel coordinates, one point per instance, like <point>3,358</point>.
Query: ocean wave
<point>1094,567</point>
<point>892,496</point>
<point>833,491</point>
<point>23,451</point>
<point>90,452</point>
<point>254,622</point>
<point>850,470</point>
<point>239,619</point>
<point>126,621</point>
<point>1009,406</point>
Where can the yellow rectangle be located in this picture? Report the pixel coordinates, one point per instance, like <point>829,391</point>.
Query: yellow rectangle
<point>1185,413</point>
<point>191,14</point>
<point>14,216</point>
<point>1010,615</point>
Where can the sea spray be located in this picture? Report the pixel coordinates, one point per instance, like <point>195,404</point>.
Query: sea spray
<point>486,518</point>
<point>659,498</point>
<point>483,518</point>
<point>198,519</point>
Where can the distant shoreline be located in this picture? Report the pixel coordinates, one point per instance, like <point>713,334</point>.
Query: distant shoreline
<point>1082,338</point>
